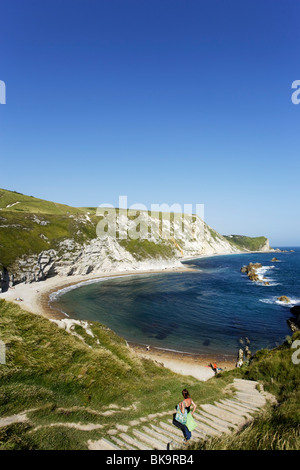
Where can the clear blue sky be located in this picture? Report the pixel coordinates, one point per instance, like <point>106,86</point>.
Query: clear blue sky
<point>165,101</point>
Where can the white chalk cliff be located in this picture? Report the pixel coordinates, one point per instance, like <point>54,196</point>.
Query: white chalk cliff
<point>108,253</point>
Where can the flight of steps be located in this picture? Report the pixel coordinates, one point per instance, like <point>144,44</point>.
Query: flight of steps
<point>156,432</point>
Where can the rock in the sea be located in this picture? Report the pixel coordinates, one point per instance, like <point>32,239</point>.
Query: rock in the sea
<point>294,323</point>
<point>253,276</point>
<point>250,270</point>
<point>284,298</point>
<point>247,353</point>
<point>274,259</point>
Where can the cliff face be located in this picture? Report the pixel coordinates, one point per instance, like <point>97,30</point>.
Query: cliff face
<point>107,254</point>
<point>40,239</point>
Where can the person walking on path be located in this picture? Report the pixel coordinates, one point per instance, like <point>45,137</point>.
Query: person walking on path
<point>184,409</point>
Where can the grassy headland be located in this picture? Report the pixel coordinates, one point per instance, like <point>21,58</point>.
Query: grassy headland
<point>70,380</point>
<point>247,243</point>
<point>65,379</point>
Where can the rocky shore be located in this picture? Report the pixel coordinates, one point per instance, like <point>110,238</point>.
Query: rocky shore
<point>294,322</point>
<point>251,271</point>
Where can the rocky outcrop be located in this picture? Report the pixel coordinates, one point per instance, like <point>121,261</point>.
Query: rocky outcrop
<point>284,298</point>
<point>294,322</point>
<point>5,281</point>
<point>250,270</point>
<point>266,247</point>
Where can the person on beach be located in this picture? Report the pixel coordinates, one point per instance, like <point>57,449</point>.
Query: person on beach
<point>185,408</point>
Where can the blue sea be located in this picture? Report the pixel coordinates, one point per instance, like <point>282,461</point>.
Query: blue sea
<point>213,310</point>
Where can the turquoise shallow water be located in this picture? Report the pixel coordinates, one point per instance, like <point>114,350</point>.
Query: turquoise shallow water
<point>210,311</point>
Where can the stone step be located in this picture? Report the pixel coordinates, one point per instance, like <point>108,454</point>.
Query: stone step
<point>134,442</point>
<point>244,382</point>
<point>250,390</point>
<point>225,415</point>
<point>234,401</point>
<point>246,388</point>
<point>198,433</point>
<point>170,435</point>
<point>151,441</point>
<point>234,410</point>
<point>251,393</point>
<point>170,427</point>
<point>218,421</point>
<point>241,386</point>
<point>175,441</point>
<point>159,436</point>
<point>171,441</point>
<point>242,401</point>
<point>208,419</point>
<point>206,428</point>
<point>256,400</point>
<point>247,406</point>
<point>235,404</point>
<point>102,444</point>
<point>122,444</point>
<point>202,431</point>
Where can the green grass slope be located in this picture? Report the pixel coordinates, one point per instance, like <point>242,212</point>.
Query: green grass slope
<point>278,428</point>
<point>29,226</point>
<point>12,201</point>
<point>65,379</point>
<point>246,243</point>
<point>68,380</point>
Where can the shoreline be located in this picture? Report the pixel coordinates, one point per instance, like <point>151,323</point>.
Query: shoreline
<point>184,363</point>
<point>36,299</point>
<point>36,295</point>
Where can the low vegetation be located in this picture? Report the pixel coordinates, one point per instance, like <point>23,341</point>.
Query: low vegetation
<point>246,243</point>
<point>29,226</point>
<point>144,249</point>
<point>64,379</point>
<point>61,378</point>
<point>278,428</point>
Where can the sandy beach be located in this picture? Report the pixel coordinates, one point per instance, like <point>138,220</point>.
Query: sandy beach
<point>34,298</point>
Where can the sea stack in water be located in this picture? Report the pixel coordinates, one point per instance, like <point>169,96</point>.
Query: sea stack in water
<point>284,298</point>
<point>250,270</point>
